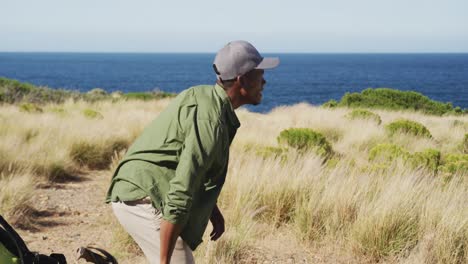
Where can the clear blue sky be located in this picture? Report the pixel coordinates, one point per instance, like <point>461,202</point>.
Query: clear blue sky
<point>205,25</point>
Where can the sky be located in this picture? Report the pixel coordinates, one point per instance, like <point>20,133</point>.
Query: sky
<point>317,26</point>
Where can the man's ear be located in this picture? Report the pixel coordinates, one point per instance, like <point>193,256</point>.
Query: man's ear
<point>240,80</point>
<point>240,84</point>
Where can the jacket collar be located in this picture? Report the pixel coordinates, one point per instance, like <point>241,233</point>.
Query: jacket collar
<point>231,114</point>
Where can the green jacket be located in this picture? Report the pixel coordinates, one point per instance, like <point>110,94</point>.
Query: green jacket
<point>180,160</point>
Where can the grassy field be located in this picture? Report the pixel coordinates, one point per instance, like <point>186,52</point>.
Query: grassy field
<point>349,187</point>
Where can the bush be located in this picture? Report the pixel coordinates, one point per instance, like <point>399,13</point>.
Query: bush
<point>13,91</point>
<point>385,98</point>
<point>92,114</point>
<point>408,127</point>
<point>387,153</point>
<point>145,96</point>
<point>453,163</point>
<point>364,114</point>
<point>304,139</point>
<point>330,104</point>
<point>429,158</point>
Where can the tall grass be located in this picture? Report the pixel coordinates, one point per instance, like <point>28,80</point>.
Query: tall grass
<point>16,192</point>
<point>399,213</point>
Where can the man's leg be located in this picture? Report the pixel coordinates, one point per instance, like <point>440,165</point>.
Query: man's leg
<point>142,222</point>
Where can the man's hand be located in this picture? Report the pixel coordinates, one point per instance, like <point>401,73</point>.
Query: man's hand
<point>217,220</point>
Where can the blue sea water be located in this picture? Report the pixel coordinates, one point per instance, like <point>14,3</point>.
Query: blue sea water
<point>312,78</point>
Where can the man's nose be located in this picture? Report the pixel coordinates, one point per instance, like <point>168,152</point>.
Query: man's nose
<point>263,81</point>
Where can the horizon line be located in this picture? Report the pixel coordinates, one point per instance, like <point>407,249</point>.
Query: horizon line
<point>265,52</point>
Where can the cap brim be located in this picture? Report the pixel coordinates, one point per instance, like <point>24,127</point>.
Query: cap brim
<point>268,63</point>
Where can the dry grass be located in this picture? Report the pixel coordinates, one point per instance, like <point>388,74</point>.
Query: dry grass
<point>16,191</point>
<point>371,213</point>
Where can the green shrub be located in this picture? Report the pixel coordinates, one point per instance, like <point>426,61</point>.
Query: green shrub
<point>387,153</point>
<point>364,114</point>
<point>408,127</point>
<point>453,163</point>
<point>465,144</point>
<point>429,158</point>
<point>330,104</point>
<point>138,96</point>
<point>13,91</point>
<point>385,98</point>
<point>383,155</point>
<point>145,96</point>
<point>92,114</point>
<point>30,108</point>
<point>304,139</point>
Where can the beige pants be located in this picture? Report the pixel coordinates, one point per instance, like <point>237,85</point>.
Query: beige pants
<point>142,221</point>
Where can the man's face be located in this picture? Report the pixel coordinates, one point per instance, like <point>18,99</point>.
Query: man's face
<point>253,83</point>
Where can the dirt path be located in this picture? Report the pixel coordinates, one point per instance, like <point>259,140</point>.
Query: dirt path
<point>71,215</point>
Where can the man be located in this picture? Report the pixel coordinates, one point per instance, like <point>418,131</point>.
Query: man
<point>165,189</point>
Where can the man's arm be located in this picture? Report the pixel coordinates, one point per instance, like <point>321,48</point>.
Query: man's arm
<point>199,150</point>
<point>169,233</point>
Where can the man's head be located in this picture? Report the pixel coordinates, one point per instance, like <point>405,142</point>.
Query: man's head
<point>239,68</point>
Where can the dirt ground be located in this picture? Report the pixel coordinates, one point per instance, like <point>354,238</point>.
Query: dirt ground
<point>71,215</point>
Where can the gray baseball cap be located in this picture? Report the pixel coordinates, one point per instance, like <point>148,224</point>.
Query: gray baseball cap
<point>239,57</point>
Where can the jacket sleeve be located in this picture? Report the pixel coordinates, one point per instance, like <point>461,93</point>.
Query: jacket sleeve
<point>202,140</point>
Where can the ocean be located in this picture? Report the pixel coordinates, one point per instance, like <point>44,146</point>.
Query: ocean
<point>311,78</point>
